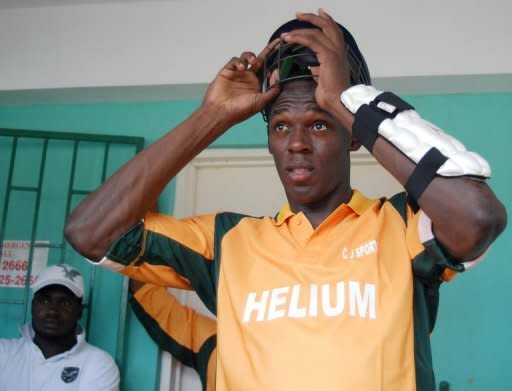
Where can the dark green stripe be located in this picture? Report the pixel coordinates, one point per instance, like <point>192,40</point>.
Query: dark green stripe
<point>441,259</point>
<point>163,251</point>
<point>197,269</point>
<point>198,361</point>
<point>427,268</point>
<point>203,357</point>
<point>162,339</point>
<point>202,273</point>
<point>425,303</point>
<point>399,202</point>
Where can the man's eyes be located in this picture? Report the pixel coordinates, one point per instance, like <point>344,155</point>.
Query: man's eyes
<point>43,300</point>
<point>280,127</point>
<point>319,126</point>
<point>64,303</point>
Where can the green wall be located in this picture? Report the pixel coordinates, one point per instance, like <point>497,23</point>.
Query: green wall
<point>471,343</point>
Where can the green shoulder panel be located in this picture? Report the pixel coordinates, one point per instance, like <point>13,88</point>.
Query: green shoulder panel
<point>138,246</point>
<point>224,222</point>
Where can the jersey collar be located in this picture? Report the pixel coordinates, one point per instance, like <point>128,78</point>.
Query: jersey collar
<point>359,203</point>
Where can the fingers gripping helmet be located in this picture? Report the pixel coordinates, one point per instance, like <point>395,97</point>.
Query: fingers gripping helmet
<point>290,61</point>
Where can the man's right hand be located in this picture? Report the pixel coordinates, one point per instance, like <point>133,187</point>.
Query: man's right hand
<point>235,91</point>
<point>125,197</point>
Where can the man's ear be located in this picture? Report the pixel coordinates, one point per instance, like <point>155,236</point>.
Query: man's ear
<point>354,144</point>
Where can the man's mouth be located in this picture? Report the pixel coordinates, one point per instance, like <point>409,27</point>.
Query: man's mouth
<point>51,322</point>
<point>300,174</point>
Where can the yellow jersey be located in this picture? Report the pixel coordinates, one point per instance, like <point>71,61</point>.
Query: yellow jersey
<point>339,307</point>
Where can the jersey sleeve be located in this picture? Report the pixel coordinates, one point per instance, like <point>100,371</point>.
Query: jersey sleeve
<point>168,252</point>
<point>429,260</point>
<point>189,336</point>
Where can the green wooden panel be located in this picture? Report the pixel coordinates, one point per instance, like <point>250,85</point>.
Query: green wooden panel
<point>44,176</point>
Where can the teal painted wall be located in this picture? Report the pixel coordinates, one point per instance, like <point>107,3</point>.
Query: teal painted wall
<point>472,339</point>
<point>473,335</point>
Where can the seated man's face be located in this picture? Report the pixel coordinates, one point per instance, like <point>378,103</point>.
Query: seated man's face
<point>309,146</point>
<point>55,311</point>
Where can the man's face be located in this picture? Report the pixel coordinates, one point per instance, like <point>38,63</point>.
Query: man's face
<point>309,146</point>
<point>55,311</point>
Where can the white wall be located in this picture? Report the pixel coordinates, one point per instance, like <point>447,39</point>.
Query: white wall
<point>184,42</point>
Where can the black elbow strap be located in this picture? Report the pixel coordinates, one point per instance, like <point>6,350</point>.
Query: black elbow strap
<point>369,117</point>
<point>424,173</point>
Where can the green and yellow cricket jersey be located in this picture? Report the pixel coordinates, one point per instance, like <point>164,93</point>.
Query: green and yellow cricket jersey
<point>349,305</point>
<point>190,337</point>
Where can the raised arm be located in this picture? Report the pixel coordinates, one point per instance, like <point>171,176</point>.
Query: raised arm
<point>123,199</point>
<point>466,215</point>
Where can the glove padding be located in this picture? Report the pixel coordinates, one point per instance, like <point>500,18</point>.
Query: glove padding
<point>414,136</point>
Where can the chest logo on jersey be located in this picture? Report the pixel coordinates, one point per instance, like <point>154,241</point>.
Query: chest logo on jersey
<point>69,374</point>
<point>354,298</point>
<point>360,251</point>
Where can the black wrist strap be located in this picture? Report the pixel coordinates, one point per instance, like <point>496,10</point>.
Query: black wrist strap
<point>366,125</point>
<point>424,173</point>
<point>368,117</point>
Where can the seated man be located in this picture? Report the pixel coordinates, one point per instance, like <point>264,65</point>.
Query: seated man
<point>52,353</point>
<point>190,337</point>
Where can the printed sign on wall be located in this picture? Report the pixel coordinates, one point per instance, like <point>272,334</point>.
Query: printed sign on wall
<point>14,262</point>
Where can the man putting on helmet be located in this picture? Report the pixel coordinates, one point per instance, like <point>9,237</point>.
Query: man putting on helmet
<point>293,312</point>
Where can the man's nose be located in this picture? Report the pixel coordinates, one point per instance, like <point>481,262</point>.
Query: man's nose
<point>300,140</point>
<point>53,306</point>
